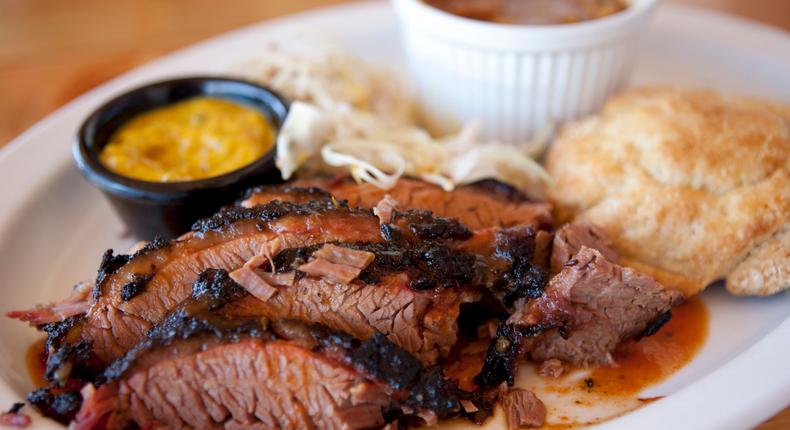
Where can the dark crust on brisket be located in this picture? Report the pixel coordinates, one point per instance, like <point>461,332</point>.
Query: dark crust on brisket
<point>180,325</point>
<point>391,232</point>
<point>501,358</point>
<point>56,331</point>
<point>134,287</point>
<point>377,357</point>
<point>215,288</point>
<point>381,359</point>
<point>426,226</point>
<point>655,325</point>
<point>524,278</point>
<point>430,264</point>
<point>154,245</point>
<point>110,263</point>
<point>16,407</point>
<point>70,356</point>
<point>435,393</point>
<point>501,189</point>
<point>211,290</point>
<point>59,406</point>
<point>272,211</point>
<point>504,353</point>
<point>314,193</point>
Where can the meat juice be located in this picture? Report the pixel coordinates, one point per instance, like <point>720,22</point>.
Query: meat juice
<point>588,396</point>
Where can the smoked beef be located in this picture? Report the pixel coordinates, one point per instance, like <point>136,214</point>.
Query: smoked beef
<point>116,322</point>
<point>253,373</point>
<point>333,264</point>
<point>590,307</point>
<point>485,204</point>
<point>299,309</point>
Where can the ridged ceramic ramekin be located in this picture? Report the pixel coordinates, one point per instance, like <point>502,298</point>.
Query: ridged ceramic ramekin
<point>517,79</point>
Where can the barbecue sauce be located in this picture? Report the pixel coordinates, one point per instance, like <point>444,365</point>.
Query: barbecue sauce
<point>640,364</point>
<point>654,358</point>
<point>36,361</point>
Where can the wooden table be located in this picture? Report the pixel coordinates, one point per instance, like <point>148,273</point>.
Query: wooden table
<point>53,50</point>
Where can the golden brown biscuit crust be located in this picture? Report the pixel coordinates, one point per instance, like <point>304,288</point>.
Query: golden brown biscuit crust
<point>687,182</point>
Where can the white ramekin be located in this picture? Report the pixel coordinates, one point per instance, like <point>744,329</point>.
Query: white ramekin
<point>516,79</point>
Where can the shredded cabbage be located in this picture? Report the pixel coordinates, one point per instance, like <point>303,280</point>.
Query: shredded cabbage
<point>352,116</point>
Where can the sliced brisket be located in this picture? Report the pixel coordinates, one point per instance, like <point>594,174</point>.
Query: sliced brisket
<point>309,256</point>
<point>571,237</point>
<point>485,204</point>
<point>247,384</point>
<point>75,304</point>
<point>590,307</point>
<point>410,290</point>
<point>296,309</point>
<point>523,409</point>
<point>205,367</point>
<point>115,321</point>
<point>422,322</point>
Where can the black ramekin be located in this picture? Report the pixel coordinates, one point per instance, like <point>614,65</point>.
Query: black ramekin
<point>168,209</point>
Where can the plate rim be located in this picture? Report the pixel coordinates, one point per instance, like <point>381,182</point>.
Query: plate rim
<point>687,411</point>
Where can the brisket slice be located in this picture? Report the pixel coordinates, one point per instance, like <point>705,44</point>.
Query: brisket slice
<point>523,409</point>
<point>77,303</point>
<point>413,300</point>
<point>403,306</point>
<point>590,307</point>
<point>488,203</point>
<point>409,291</point>
<point>569,239</point>
<point>205,367</point>
<point>421,322</point>
<point>161,276</point>
<point>248,384</point>
<point>516,260</point>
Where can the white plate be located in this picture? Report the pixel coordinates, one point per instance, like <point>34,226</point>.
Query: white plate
<point>54,226</point>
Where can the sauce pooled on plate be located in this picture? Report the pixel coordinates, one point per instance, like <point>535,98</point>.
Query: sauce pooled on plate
<point>189,140</point>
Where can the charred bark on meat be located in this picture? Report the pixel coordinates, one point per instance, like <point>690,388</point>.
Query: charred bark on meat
<point>655,324</point>
<point>429,264</point>
<point>201,316</point>
<point>61,406</point>
<point>271,211</point>
<point>215,288</point>
<point>424,225</point>
<point>110,263</point>
<point>57,331</point>
<point>501,358</point>
<point>525,277</point>
<point>298,193</point>
<point>134,287</point>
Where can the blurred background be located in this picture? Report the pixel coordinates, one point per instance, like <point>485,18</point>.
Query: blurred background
<point>53,50</point>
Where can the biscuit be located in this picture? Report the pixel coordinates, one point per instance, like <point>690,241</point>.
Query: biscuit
<point>690,185</point>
